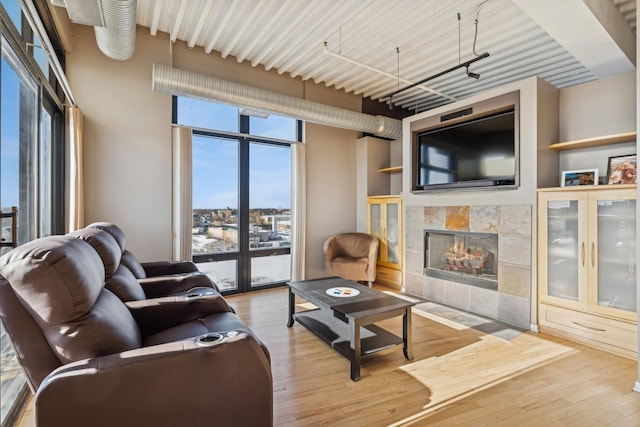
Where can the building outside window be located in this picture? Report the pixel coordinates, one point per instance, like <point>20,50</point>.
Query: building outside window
<point>241,193</point>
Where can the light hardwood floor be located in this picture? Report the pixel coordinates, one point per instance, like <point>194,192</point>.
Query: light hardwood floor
<point>460,376</point>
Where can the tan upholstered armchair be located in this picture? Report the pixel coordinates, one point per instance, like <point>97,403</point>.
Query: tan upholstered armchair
<point>351,256</point>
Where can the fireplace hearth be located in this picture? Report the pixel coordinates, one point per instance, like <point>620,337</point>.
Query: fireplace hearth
<point>464,257</point>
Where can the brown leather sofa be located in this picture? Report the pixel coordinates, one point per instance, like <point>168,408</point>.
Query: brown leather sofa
<point>352,256</point>
<point>94,360</point>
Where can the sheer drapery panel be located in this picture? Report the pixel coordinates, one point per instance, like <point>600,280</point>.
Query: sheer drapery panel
<point>298,211</point>
<point>76,169</point>
<point>182,218</point>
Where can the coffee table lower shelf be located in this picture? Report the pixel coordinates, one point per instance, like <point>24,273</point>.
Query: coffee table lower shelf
<point>336,333</point>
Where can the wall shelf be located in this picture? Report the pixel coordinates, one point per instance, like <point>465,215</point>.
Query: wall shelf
<point>392,169</point>
<point>596,141</point>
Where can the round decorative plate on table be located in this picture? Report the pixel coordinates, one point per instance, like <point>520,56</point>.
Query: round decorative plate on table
<point>343,292</point>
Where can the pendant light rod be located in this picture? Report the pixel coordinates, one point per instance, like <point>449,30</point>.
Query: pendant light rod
<point>442,73</point>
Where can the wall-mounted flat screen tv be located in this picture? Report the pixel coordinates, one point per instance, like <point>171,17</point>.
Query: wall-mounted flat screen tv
<point>475,153</point>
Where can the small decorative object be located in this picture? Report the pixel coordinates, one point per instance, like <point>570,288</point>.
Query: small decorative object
<point>579,177</point>
<point>342,292</point>
<point>622,169</point>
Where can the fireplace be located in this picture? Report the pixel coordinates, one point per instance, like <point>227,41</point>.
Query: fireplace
<point>470,258</point>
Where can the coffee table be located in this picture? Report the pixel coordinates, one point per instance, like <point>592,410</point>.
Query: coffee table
<point>345,316</point>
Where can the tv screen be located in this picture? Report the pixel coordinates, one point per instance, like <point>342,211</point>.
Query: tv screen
<point>480,152</point>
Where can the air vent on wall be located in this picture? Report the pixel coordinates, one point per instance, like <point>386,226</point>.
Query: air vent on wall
<point>457,114</point>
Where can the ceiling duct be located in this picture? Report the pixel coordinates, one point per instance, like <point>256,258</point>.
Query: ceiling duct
<point>114,22</point>
<point>117,39</point>
<point>192,85</point>
<point>85,12</point>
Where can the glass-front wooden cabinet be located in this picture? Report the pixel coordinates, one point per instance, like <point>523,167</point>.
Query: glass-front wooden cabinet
<point>385,222</point>
<point>587,264</point>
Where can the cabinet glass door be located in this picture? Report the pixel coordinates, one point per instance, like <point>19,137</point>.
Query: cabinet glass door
<point>564,249</point>
<point>616,254</point>
<point>375,223</point>
<point>392,233</point>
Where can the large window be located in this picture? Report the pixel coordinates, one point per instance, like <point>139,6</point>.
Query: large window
<point>241,193</point>
<point>31,165</point>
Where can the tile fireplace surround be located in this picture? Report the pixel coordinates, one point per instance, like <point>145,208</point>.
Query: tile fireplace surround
<point>511,302</point>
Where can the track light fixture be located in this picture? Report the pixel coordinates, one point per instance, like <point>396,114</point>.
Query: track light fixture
<point>472,75</point>
<point>389,97</point>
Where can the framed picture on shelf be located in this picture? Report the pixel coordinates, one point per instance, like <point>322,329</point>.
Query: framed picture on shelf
<point>622,169</point>
<point>579,177</point>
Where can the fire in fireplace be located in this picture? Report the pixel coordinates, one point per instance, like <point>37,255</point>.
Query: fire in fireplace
<point>464,257</point>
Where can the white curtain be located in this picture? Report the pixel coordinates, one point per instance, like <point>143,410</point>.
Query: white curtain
<point>298,211</point>
<point>76,173</point>
<point>182,216</point>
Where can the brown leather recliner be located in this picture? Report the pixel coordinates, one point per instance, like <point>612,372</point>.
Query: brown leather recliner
<point>352,256</point>
<point>144,270</point>
<point>121,281</point>
<point>91,359</point>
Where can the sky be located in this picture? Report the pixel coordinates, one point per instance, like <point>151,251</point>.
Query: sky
<point>8,122</point>
<point>10,119</point>
<point>215,160</point>
<point>9,135</point>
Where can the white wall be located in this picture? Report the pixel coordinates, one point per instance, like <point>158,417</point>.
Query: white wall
<point>597,108</point>
<point>373,155</point>
<point>128,142</point>
<point>396,160</point>
<point>600,107</point>
<point>331,190</point>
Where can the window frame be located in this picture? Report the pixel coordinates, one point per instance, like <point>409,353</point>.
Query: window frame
<point>17,46</point>
<point>244,254</point>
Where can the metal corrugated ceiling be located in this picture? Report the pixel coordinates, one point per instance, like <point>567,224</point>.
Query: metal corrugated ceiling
<point>383,39</point>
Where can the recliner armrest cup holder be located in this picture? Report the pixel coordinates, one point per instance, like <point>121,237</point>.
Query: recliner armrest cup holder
<point>199,291</point>
<point>209,339</point>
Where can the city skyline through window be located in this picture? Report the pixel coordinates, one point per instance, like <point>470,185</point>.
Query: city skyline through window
<point>241,194</point>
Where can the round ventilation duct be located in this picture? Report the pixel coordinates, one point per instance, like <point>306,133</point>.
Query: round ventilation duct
<point>117,39</point>
<point>185,83</point>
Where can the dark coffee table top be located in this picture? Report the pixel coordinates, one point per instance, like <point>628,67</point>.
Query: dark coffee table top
<point>367,302</point>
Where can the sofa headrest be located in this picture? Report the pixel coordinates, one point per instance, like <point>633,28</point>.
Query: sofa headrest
<point>58,278</point>
<point>125,285</point>
<point>105,245</point>
<point>112,229</point>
